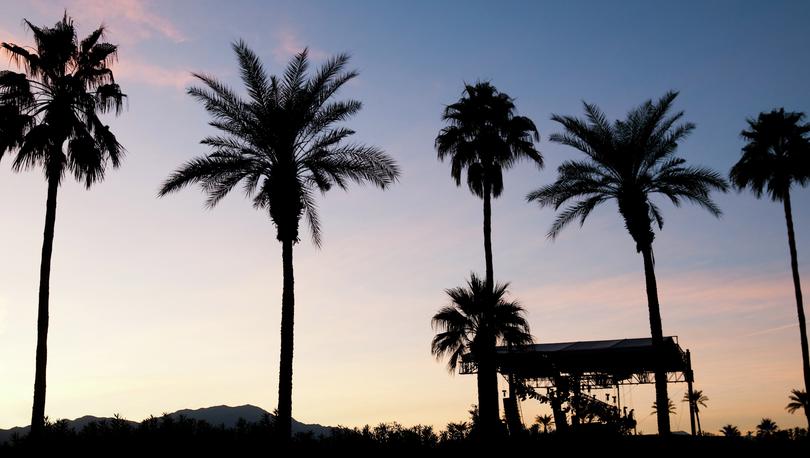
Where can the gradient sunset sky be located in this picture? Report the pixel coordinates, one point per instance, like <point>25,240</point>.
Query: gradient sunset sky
<point>160,304</point>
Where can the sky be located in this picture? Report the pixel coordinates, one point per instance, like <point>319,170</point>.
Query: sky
<point>161,304</point>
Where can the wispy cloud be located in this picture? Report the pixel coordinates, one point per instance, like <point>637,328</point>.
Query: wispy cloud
<point>8,37</point>
<point>3,315</point>
<point>130,20</point>
<point>725,290</point>
<point>289,44</point>
<point>134,70</point>
<point>129,23</point>
<point>770,330</point>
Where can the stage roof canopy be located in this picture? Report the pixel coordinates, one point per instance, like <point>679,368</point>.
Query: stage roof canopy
<point>620,358</point>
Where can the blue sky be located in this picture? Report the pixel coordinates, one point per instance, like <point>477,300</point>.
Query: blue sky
<point>186,301</point>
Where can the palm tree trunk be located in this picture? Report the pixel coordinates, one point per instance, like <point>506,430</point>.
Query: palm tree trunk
<point>661,398</point>
<point>697,417</point>
<point>481,380</point>
<point>38,411</point>
<point>797,286</point>
<point>488,411</point>
<point>488,234</point>
<point>284,419</point>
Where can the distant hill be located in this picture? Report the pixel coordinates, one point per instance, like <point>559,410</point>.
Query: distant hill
<point>218,415</point>
<point>228,416</point>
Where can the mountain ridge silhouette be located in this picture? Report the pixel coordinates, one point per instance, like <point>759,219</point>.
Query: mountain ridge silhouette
<point>224,415</point>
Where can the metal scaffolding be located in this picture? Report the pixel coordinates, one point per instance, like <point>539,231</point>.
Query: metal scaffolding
<point>600,364</point>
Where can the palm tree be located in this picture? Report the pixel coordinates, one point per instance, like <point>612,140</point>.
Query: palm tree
<point>486,137</point>
<point>670,407</point>
<point>50,116</point>
<point>730,431</point>
<point>629,161</point>
<point>777,156</point>
<point>283,144</point>
<point>479,315</point>
<point>767,428</point>
<point>545,421</point>
<point>798,401</point>
<point>697,399</point>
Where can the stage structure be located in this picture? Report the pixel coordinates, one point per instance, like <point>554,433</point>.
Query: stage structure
<point>573,367</point>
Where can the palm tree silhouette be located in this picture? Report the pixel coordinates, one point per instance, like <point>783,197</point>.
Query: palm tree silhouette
<point>545,421</point>
<point>283,145</point>
<point>776,156</point>
<point>670,407</point>
<point>767,428</point>
<point>798,401</point>
<point>486,137</point>
<point>50,117</point>
<point>730,431</point>
<point>479,315</point>
<point>697,399</point>
<point>628,161</point>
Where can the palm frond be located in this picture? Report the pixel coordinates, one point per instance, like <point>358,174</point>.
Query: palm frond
<point>579,210</point>
<point>283,143</point>
<point>484,136</point>
<point>61,71</point>
<point>776,154</point>
<point>477,310</point>
<point>628,160</point>
<point>252,71</point>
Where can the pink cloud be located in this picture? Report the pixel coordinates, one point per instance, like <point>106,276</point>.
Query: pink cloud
<point>129,21</point>
<point>772,330</point>
<point>8,37</point>
<point>289,44</point>
<point>724,290</point>
<point>135,70</point>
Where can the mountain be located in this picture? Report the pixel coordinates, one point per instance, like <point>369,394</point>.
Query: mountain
<point>218,415</point>
<point>228,416</point>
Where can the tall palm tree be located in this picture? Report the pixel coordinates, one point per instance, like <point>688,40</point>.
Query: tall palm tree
<point>798,401</point>
<point>486,137</point>
<point>479,315</point>
<point>283,144</point>
<point>775,157</point>
<point>545,421</point>
<point>697,400</point>
<point>50,116</point>
<point>629,161</point>
<point>730,431</point>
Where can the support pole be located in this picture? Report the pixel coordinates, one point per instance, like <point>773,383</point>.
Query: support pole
<point>690,378</point>
<point>511,378</point>
<point>577,390</point>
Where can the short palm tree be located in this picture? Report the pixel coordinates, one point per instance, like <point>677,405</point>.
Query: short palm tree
<point>767,428</point>
<point>798,401</point>
<point>478,318</point>
<point>730,431</point>
<point>50,119</point>
<point>629,161</point>
<point>670,407</point>
<point>486,137</point>
<point>283,145</point>
<point>545,421</point>
<point>697,400</point>
<point>775,157</point>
